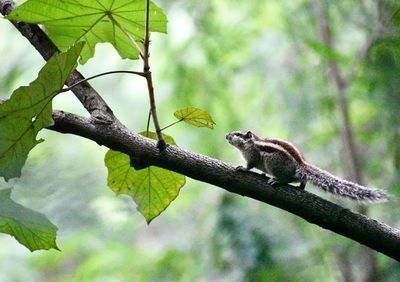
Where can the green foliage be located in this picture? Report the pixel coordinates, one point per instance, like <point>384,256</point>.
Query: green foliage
<point>271,78</point>
<point>30,228</point>
<point>152,188</point>
<point>382,75</point>
<point>195,117</point>
<point>29,110</point>
<point>113,21</point>
<point>324,51</point>
<point>246,239</point>
<point>108,259</point>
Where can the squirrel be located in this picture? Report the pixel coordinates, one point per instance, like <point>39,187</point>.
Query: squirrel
<point>285,163</point>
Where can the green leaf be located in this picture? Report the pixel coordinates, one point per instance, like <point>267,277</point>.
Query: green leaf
<point>29,110</point>
<point>93,21</point>
<point>195,117</point>
<point>325,51</point>
<point>152,188</point>
<point>30,228</point>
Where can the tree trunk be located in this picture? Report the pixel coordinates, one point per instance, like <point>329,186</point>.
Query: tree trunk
<point>349,155</point>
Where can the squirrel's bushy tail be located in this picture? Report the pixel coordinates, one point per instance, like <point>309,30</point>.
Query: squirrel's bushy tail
<point>341,187</point>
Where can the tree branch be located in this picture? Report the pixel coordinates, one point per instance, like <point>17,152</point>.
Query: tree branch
<point>310,207</point>
<point>89,98</point>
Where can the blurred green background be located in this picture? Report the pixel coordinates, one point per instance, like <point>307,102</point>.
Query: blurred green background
<point>256,65</point>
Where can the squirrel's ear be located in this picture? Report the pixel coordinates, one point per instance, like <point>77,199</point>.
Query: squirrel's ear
<point>249,134</point>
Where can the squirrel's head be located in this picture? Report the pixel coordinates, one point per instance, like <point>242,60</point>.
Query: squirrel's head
<point>240,139</point>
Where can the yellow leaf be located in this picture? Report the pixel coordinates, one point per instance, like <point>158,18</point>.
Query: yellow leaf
<point>196,117</point>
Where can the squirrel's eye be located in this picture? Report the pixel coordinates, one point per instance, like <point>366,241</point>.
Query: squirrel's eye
<point>249,134</point>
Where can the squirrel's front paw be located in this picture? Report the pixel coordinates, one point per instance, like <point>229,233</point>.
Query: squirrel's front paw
<point>275,182</point>
<point>241,168</point>
<point>272,181</point>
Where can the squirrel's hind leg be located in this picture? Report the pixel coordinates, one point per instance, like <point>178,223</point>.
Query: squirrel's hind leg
<point>302,185</point>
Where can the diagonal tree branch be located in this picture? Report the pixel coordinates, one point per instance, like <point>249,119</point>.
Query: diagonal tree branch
<point>310,207</point>
<point>89,98</point>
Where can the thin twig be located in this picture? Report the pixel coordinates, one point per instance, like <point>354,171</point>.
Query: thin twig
<point>146,70</point>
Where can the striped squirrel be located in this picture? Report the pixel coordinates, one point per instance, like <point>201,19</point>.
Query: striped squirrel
<point>284,162</point>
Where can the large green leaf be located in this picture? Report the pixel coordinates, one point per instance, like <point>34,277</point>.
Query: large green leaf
<point>30,228</point>
<point>152,188</point>
<point>93,21</point>
<point>29,110</point>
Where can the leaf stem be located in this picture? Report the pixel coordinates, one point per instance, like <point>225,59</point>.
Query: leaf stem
<point>148,123</point>
<point>131,39</point>
<point>147,73</point>
<point>171,124</point>
<point>98,75</point>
